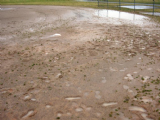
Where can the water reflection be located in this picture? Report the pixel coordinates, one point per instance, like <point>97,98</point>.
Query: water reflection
<point>6,8</point>
<point>151,13</point>
<point>139,7</point>
<point>118,14</point>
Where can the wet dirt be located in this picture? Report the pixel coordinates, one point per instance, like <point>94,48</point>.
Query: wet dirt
<point>68,63</point>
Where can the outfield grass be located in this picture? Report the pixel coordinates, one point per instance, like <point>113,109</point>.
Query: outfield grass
<point>68,2</point>
<point>49,2</point>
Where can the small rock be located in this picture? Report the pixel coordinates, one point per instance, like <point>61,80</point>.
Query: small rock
<point>48,106</point>
<point>26,97</point>
<point>59,114</point>
<point>135,108</point>
<point>72,98</point>
<point>33,99</point>
<point>98,96</point>
<point>79,109</point>
<point>109,104</point>
<point>29,114</point>
<point>59,75</point>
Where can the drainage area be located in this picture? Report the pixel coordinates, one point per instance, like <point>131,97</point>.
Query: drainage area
<point>139,7</point>
<point>119,15</point>
<point>6,9</point>
<point>151,13</point>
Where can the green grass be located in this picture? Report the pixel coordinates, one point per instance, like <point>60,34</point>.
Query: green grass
<point>49,2</point>
<point>68,2</point>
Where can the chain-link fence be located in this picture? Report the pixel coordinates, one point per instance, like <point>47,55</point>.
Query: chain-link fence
<point>151,7</point>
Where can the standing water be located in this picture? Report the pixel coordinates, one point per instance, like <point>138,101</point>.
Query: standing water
<point>118,14</point>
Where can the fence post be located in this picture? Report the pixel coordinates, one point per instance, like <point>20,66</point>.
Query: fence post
<point>107,3</point>
<point>119,4</point>
<point>98,3</point>
<point>134,5</point>
<point>153,7</point>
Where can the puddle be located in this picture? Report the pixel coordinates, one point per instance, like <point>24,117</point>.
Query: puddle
<point>109,104</point>
<point>139,7</point>
<point>6,9</point>
<point>118,14</point>
<point>151,13</point>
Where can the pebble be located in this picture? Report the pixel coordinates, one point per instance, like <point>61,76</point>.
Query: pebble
<point>29,113</point>
<point>109,104</point>
<point>79,109</point>
<point>135,108</point>
<point>72,98</point>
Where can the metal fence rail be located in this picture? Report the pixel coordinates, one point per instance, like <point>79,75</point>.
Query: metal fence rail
<point>153,5</point>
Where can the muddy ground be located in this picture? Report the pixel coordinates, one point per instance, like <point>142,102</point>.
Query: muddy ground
<point>67,63</point>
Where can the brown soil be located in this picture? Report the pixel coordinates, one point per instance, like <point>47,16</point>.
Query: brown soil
<point>96,69</point>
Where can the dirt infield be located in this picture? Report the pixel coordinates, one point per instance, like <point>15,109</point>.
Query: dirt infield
<point>73,63</point>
